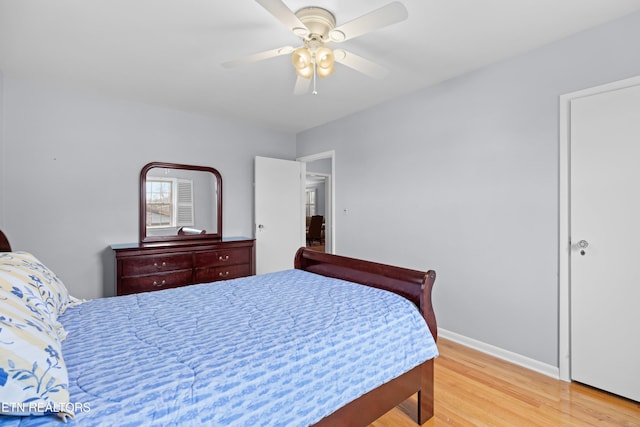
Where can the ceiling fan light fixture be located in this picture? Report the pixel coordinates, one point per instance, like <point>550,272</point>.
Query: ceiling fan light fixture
<point>301,58</point>
<point>306,72</point>
<point>317,26</point>
<point>324,57</point>
<point>325,72</point>
<point>324,61</point>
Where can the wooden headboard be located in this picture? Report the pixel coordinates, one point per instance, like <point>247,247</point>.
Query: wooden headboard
<point>4,243</point>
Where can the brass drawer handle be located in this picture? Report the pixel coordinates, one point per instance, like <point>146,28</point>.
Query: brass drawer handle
<point>225,274</point>
<point>164,264</point>
<point>223,258</point>
<point>155,283</point>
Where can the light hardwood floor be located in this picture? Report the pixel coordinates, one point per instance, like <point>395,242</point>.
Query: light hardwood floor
<point>474,389</point>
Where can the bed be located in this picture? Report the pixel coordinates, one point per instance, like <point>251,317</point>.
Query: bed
<point>307,346</point>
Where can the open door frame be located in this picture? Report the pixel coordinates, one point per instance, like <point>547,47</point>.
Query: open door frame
<point>330,217</point>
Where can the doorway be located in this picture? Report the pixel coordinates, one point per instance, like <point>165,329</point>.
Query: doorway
<point>319,200</point>
<point>594,249</point>
<point>316,191</point>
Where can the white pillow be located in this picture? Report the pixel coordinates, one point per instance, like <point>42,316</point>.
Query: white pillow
<point>25,270</point>
<point>33,375</point>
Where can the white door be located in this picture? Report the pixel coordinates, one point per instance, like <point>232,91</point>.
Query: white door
<point>605,240</point>
<point>279,212</point>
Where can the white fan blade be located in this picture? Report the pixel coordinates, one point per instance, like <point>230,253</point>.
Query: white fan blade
<point>360,64</point>
<point>258,56</point>
<point>302,86</point>
<point>390,14</point>
<point>285,15</point>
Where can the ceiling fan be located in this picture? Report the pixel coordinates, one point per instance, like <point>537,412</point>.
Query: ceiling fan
<point>317,28</point>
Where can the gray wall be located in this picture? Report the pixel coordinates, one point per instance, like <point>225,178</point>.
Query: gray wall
<point>320,166</point>
<point>463,178</point>
<point>71,166</point>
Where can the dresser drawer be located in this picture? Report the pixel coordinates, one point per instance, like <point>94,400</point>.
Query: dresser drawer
<point>142,268</point>
<point>223,257</point>
<point>155,282</point>
<point>211,274</point>
<point>150,264</point>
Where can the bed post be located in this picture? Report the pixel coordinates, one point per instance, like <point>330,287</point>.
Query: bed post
<point>426,394</point>
<point>426,306</point>
<point>4,243</point>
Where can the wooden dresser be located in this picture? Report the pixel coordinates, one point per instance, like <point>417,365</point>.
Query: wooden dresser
<point>151,267</point>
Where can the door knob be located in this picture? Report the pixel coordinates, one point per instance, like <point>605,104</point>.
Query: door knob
<point>582,244</point>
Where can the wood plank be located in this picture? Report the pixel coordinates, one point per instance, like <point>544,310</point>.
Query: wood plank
<point>475,389</point>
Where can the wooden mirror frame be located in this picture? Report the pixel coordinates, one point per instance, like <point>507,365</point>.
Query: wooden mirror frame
<point>178,238</point>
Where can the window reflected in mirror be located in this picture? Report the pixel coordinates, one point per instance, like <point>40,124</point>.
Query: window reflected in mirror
<point>169,202</point>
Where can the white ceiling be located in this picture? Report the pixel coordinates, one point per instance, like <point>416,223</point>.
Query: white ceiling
<point>168,52</point>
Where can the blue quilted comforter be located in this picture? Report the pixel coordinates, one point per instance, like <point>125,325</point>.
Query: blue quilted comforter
<point>281,349</point>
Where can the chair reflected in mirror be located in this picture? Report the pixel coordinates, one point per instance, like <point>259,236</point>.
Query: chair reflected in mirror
<point>315,230</point>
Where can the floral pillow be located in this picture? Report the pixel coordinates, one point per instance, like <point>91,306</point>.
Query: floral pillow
<point>33,375</point>
<point>27,273</point>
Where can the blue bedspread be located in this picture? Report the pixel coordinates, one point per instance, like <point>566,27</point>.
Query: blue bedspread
<point>281,349</point>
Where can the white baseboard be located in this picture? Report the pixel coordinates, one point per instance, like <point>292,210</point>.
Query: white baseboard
<point>500,353</point>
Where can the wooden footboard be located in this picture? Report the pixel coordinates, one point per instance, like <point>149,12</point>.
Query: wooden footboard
<point>414,285</point>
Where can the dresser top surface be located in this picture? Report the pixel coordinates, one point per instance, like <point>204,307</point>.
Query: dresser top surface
<point>137,245</point>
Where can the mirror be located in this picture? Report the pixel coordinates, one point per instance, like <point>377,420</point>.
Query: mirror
<point>180,203</point>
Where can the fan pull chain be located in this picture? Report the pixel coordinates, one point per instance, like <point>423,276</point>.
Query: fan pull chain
<point>315,92</point>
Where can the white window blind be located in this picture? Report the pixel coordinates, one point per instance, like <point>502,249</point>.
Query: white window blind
<point>184,203</point>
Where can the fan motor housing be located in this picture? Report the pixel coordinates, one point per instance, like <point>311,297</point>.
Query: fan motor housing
<point>319,21</point>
